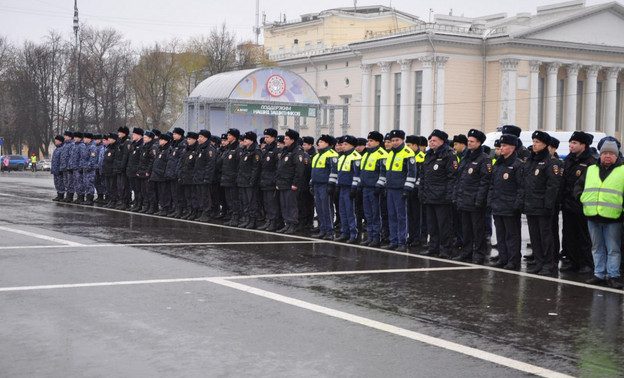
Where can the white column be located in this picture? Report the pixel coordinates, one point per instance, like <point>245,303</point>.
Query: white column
<point>570,99</point>
<point>589,123</point>
<point>534,94</point>
<point>385,108</point>
<point>365,127</point>
<point>508,91</point>
<point>439,110</point>
<point>426,117</point>
<point>610,100</point>
<point>551,96</point>
<point>406,98</point>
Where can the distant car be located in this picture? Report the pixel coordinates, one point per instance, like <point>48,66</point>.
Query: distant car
<point>44,165</point>
<point>13,162</point>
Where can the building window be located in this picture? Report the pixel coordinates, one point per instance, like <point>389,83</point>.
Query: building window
<point>599,106</point>
<point>377,102</point>
<point>325,84</point>
<point>346,100</point>
<point>540,103</point>
<point>397,100</point>
<point>347,82</point>
<point>579,105</point>
<point>417,102</point>
<point>324,111</point>
<point>559,118</point>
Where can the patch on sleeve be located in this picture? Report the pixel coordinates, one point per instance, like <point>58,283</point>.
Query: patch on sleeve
<point>300,159</point>
<point>92,153</point>
<point>257,157</point>
<point>455,165</point>
<point>357,163</point>
<point>489,167</point>
<point>335,160</point>
<point>412,161</point>
<point>556,169</point>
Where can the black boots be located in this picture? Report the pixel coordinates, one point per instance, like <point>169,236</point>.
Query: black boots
<point>89,200</point>
<point>59,197</point>
<point>69,198</point>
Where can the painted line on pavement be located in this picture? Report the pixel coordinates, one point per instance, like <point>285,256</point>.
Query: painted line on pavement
<point>434,341</point>
<point>162,244</point>
<point>198,279</point>
<point>43,237</point>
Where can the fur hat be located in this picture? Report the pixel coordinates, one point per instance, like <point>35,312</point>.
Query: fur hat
<point>205,133</point>
<point>138,130</point>
<point>582,137</point>
<point>123,129</point>
<point>511,129</point>
<point>292,134</point>
<point>178,131</point>
<point>542,136</point>
<point>397,134</point>
<point>439,134</point>
<point>270,132</point>
<point>477,134</point>
<point>460,138</point>
<point>376,135</point>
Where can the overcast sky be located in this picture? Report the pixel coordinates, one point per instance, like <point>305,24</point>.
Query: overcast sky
<point>144,22</point>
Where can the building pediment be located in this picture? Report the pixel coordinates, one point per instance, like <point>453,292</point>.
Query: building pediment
<point>603,27</point>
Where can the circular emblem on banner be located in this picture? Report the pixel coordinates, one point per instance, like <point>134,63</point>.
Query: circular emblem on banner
<point>505,176</point>
<point>536,172</point>
<point>276,85</point>
<point>470,171</point>
<point>578,173</point>
<point>435,167</point>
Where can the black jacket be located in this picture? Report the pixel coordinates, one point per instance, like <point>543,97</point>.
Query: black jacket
<point>269,166</point>
<point>541,183</point>
<point>187,165</point>
<point>121,157</point>
<point>160,163</point>
<point>148,154</point>
<point>249,167</point>
<point>173,164</point>
<point>439,176</point>
<point>506,191</point>
<point>205,164</point>
<point>229,164</point>
<point>573,168</point>
<point>134,158</point>
<point>108,164</point>
<point>291,168</point>
<point>473,180</point>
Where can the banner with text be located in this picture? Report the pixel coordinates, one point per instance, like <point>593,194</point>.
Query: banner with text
<point>274,110</point>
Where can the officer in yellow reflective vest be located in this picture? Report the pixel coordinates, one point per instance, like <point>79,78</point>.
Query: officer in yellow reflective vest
<point>321,176</point>
<point>602,188</point>
<point>348,171</point>
<point>400,181</point>
<point>372,179</point>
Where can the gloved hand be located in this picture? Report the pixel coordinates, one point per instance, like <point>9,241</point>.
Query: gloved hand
<point>352,193</point>
<point>405,194</point>
<point>312,191</point>
<point>331,189</point>
<point>377,191</point>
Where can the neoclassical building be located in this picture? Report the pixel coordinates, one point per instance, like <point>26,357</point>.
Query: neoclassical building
<point>558,69</point>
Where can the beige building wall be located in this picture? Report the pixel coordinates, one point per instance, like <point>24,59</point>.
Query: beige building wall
<point>464,78</point>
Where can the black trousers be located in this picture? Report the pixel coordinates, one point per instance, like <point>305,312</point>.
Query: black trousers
<point>576,241</point>
<point>232,199</point>
<point>136,186</point>
<point>270,202</point>
<point>508,238</point>
<point>190,193</point>
<point>385,223</point>
<point>111,187</point>
<point>556,240</point>
<point>163,190</point>
<point>123,187</point>
<point>440,229</point>
<point>542,243</point>
<point>288,205</point>
<point>414,218</point>
<point>473,235</point>
<point>249,202</point>
<point>177,195</point>
<point>205,197</point>
<point>306,207</point>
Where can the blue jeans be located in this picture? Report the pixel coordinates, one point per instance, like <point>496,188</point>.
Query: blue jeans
<point>323,209</point>
<point>606,241</point>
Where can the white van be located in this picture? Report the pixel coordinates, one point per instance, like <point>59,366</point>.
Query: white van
<point>563,136</point>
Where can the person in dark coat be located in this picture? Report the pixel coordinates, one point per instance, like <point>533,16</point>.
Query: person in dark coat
<point>55,168</point>
<point>186,176</point>
<point>204,175</point>
<point>134,157</point>
<point>541,189</point>
<point>68,176</point>
<point>439,177</point>
<point>248,179</point>
<point>178,144</point>
<point>158,176</point>
<point>290,176</point>
<point>109,171</point>
<point>121,163</point>
<point>473,183</point>
<point>88,165</point>
<point>229,171</point>
<point>101,143</point>
<point>270,200</point>
<point>576,241</point>
<point>149,150</point>
<point>74,165</point>
<point>304,198</point>
<point>505,199</point>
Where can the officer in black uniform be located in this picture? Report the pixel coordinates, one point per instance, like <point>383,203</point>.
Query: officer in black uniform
<point>109,170</point>
<point>132,168</point>
<point>186,176</point>
<point>541,188</point>
<point>149,150</point>
<point>203,175</point>
<point>552,149</point>
<point>222,208</point>
<point>439,177</point>
<point>473,182</point>
<point>304,198</point>
<point>576,241</point>
<point>158,178</point>
<point>290,176</point>
<point>268,168</point>
<point>178,144</point>
<point>248,179</point>
<point>229,171</point>
<point>505,199</point>
<point>522,152</point>
<point>121,163</point>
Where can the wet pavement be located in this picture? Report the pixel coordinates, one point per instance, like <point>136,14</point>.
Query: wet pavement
<point>99,292</point>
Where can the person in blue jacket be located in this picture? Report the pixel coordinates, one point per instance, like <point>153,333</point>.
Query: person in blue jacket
<point>68,174</point>
<point>88,165</point>
<point>74,165</point>
<point>55,168</point>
